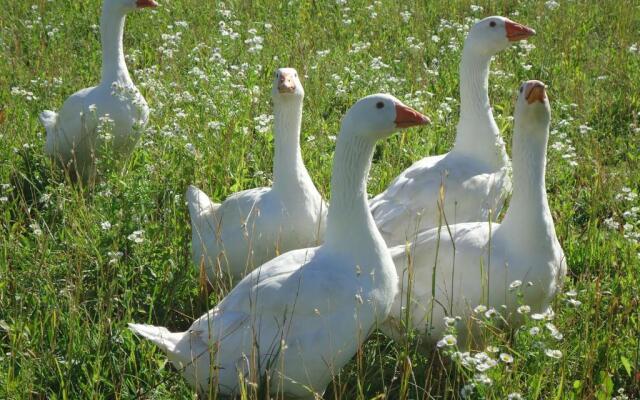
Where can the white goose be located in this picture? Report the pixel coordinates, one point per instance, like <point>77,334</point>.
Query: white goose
<point>488,257</point>
<point>253,226</point>
<point>301,317</point>
<point>72,136</point>
<point>475,173</point>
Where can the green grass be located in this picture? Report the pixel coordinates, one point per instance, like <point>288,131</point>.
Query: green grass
<point>65,298</point>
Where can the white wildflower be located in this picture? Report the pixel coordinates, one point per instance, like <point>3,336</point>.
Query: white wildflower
<point>557,354</point>
<point>574,302</point>
<point>136,236</point>
<point>35,228</point>
<point>538,316</point>
<point>448,321</point>
<point>448,340</point>
<point>506,358</point>
<point>493,349</point>
<point>552,5</point>
<point>524,309</point>
<point>480,309</point>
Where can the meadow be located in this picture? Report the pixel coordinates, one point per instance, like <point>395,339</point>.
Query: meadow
<point>77,264</point>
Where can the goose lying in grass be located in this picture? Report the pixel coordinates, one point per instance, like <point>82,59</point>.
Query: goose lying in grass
<point>253,226</point>
<point>72,133</point>
<point>299,318</point>
<point>475,173</point>
<point>482,263</point>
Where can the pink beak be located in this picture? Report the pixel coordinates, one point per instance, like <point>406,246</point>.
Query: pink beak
<point>407,117</point>
<point>516,31</point>
<point>286,84</point>
<point>535,91</point>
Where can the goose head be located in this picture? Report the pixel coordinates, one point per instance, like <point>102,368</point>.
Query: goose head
<point>286,85</point>
<point>491,35</point>
<point>129,5</point>
<point>532,107</point>
<point>380,115</point>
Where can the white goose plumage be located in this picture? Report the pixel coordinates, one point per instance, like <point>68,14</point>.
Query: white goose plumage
<point>253,226</point>
<point>478,262</point>
<point>304,314</point>
<point>475,173</point>
<point>72,134</point>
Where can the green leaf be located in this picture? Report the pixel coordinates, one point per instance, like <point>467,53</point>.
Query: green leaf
<point>627,364</point>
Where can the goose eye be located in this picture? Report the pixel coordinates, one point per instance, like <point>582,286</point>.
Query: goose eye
<point>379,104</point>
<point>492,24</point>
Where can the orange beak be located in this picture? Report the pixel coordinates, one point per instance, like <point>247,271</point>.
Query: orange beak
<point>516,31</point>
<point>286,84</point>
<point>146,3</point>
<point>407,117</point>
<point>535,91</point>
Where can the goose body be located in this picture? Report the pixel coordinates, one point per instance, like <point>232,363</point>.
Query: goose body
<point>253,226</point>
<point>73,136</point>
<point>302,316</point>
<point>475,174</point>
<point>478,262</point>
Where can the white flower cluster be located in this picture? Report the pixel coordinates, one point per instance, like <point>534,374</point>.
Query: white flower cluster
<point>552,5</point>
<point>105,125</point>
<point>479,363</point>
<point>262,122</point>
<point>137,236</point>
<point>630,218</point>
<point>561,143</point>
<point>29,96</point>
<point>5,188</point>
<point>170,44</point>
<point>414,44</point>
<point>254,41</point>
<point>359,46</point>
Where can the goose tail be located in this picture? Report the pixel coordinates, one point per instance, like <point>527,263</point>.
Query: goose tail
<point>203,213</point>
<point>49,119</point>
<point>159,335</point>
<point>204,228</point>
<point>200,205</point>
<point>182,348</point>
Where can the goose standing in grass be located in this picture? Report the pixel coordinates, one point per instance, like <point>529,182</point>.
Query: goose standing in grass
<point>253,226</point>
<point>73,136</point>
<point>483,263</point>
<point>298,319</point>
<point>475,173</point>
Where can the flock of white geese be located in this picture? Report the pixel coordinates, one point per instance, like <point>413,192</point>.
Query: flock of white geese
<point>316,279</point>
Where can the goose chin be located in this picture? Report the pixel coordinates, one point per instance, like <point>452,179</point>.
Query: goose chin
<point>146,3</point>
<point>286,89</point>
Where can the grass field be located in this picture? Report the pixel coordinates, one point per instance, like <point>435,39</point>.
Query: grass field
<point>71,277</point>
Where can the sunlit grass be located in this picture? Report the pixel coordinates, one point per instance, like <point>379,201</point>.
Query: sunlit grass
<point>70,277</point>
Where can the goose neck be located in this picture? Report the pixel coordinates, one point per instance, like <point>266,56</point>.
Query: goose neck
<point>477,134</point>
<point>529,216</point>
<point>114,67</point>
<point>349,223</point>
<point>289,172</point>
